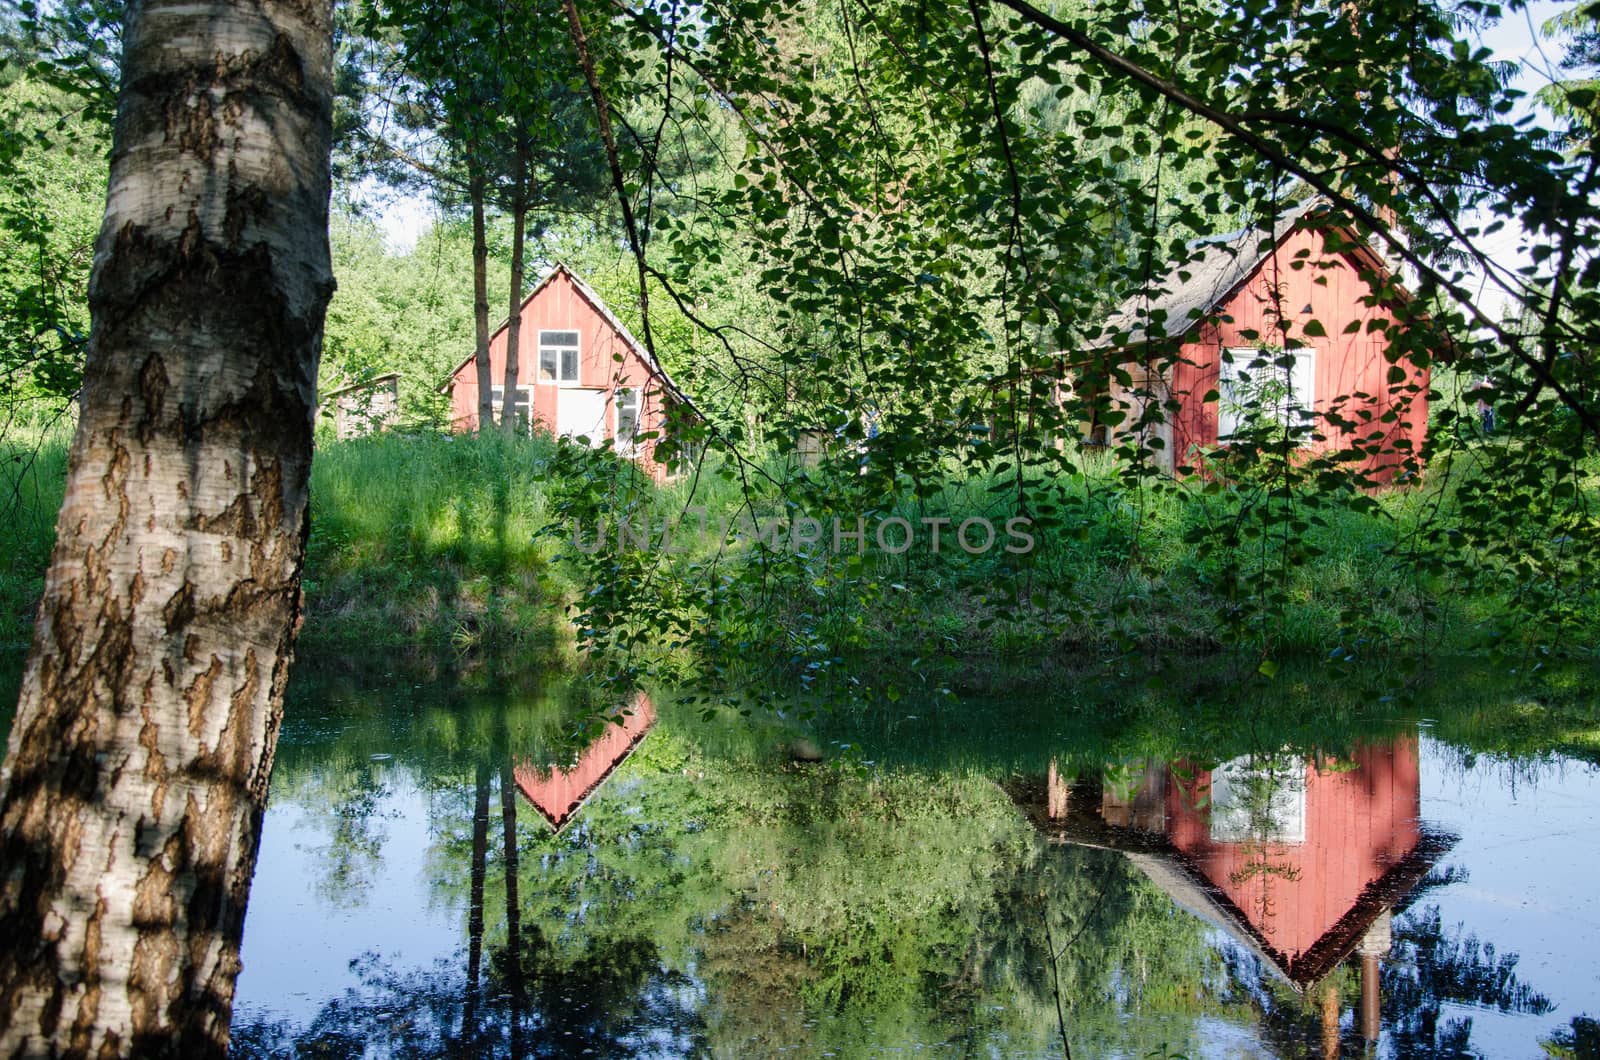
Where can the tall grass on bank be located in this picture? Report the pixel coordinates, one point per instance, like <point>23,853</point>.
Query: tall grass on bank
<point>432,537</point>
<point>414,538</point>
<point>1112,567</point>
<point>435,540</point>
<point>33,478</point>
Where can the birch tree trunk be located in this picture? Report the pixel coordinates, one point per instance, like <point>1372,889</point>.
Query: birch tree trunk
<point>480,297</point>
<point>136,776</point>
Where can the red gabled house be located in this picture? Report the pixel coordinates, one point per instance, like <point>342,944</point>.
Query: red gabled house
<point>1217,329</point>
<point>581,375</point>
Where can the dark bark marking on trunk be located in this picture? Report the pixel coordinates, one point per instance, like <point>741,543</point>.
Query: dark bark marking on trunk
<point>153,384</point>
<point>179,610</point>
<point>89,1007</point>
<point>198,694</point>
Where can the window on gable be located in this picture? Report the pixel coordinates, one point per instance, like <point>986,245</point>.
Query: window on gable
<point>1267,385</point>
<point>558,356</point>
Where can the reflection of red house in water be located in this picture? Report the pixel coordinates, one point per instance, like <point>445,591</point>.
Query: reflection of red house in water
<point>559,792</point>
<point>1308,858</point>
<point>1298,861</point>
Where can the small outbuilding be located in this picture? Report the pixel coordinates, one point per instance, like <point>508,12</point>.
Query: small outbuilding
<point>582,374</point>
<point>365,407</point>
<point>1297,321</point>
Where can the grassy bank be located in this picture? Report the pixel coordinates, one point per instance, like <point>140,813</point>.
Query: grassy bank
<point>432,539</point>
<point>425,539</point>
<point>441,541</point>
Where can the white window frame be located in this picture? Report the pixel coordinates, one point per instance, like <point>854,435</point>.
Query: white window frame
<point>497,398</point>
<point>560,349</point>
<point>1259,799</point>
<point>631,446</point>
<point>1300,408</point>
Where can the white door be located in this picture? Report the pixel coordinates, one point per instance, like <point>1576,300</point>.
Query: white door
<point>582,414</point>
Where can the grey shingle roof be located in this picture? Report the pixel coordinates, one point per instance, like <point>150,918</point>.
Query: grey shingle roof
<point>1192,290</point>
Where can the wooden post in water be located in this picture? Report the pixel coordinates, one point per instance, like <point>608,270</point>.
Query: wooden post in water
<point>1330,1021</point>
<point>1373,948</point>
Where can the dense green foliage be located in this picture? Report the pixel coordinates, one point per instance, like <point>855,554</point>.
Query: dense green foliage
<point>50,207</point>
<point>476,542</point>
<point>898,231</point>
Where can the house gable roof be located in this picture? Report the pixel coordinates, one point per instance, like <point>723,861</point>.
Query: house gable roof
<point>1223,264</point>
<point>657,372</point>
<point>559,793</point>
<point>365,384</point>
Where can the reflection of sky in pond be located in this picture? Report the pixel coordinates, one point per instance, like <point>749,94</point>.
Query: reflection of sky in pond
<point>704,901</point>
<point>1530,842</point>
<point>300,940</point>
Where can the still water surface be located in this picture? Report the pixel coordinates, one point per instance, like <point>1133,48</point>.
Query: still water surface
<point>452,865</point>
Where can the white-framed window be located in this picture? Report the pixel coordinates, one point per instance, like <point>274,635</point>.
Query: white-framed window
<point>522,408</point>
<point>1280,385</point>
<point>1259,799</point>
<point>558,357</point>
<point>627,426</point>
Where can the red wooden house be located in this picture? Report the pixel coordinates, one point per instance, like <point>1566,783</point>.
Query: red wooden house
<point>581,374</point>
<point>1221,328</point>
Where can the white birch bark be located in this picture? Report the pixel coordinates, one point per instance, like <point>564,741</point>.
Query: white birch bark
<point>136,774</point>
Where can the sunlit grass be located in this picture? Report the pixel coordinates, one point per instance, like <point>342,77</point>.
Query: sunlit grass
<point>437,539</point>
<point>431,536</point>
<point>33,476</point>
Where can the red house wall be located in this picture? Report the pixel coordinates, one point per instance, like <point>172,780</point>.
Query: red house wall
<point>1329,289</point>
<point>1358,824</point>
<point>606,362</point>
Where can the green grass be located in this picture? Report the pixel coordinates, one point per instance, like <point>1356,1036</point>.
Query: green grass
<point>33,476</point>
<point>1120,569</point>
<point>439,541</point>
<point>433,538</point>
<point>415,539</point>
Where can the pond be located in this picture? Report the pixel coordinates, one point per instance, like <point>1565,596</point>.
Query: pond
<point>453,864</point>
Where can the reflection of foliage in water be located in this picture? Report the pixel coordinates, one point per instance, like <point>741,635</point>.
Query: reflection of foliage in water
<point>1134,972</point>
<point>355,840</point>
<point>734,900</point>
<point>1445,964</point>
<point>1433,966</point>
<point>605,1004</point>
<point>1579,1040</point>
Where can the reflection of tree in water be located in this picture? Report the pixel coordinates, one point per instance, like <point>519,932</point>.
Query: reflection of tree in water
<point>356,834</point>
<point>611,1000</point>
<point>525,1000</point>
<point>1432,966</point>
<point>1580,1040</point>
<point>1115,946</point>
<point>1427,968</point>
